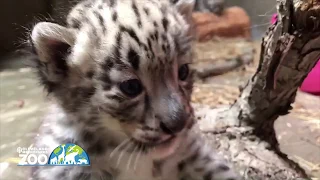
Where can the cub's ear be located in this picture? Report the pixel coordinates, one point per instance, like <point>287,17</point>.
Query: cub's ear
<point>52,45</point>
<point>51,41</point>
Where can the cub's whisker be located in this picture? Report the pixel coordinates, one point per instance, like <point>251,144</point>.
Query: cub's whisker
<point>122,152</point>
<point>119,147</point>
<point>131,156</point>
<point>138,156</point>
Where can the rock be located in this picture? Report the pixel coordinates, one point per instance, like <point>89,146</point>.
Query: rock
<point>234,22</point>
<point>213,6</point>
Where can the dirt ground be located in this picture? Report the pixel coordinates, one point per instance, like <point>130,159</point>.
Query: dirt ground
<point>22,104</point>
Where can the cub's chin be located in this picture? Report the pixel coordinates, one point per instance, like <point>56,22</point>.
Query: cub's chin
<point>166,149</point>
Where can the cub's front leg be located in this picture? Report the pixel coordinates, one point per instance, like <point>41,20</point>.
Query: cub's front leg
<point>200,162</point>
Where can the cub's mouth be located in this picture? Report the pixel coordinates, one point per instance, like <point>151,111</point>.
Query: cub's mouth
<point>164,145</point>
<point>162,148</point>
<point>166,148</point>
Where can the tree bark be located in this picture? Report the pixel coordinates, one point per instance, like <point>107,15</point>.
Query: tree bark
<point>244,132</point>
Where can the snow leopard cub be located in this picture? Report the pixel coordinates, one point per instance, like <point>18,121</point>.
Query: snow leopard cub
<point>119,80</point>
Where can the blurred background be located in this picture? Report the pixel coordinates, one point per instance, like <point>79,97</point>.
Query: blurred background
<point>16,16</point>
<point>229,32</point>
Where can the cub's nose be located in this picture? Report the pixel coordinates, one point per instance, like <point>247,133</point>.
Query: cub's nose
<point>174,123</point>
<point>171,129</point>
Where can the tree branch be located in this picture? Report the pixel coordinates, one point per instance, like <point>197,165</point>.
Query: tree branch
<point>289,50</point>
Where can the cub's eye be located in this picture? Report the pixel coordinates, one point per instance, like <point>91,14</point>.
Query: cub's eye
<point>183,72</point>
<point>131,87</point>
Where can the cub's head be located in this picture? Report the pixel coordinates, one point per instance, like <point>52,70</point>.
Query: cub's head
<point>124,63</point>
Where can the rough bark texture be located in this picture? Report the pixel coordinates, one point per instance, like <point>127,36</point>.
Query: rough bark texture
<point>244,132</point>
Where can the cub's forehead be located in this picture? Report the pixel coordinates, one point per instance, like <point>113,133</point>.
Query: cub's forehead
<point>130,32</point>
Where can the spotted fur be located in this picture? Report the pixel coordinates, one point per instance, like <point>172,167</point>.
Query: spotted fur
<point>92,69</point>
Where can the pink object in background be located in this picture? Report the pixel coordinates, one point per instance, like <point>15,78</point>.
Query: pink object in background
<point>311,83</point>
<point>274,18</point>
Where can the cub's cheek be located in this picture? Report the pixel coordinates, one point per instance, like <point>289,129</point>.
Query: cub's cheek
<point>113,125</point>
<point>129,128</point>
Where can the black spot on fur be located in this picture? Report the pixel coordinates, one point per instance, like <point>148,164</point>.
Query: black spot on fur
<point>181,166</point>
<point>112,3</point>
<point>223,167</point>
<point>90,74</point>
<point>80,11</point>
<point>106,86</point>
<point>199,169</point>
<point>155,24</point>
<point>101,21</point>
<point>93,29</point>
<point>106,175</point>
<point>163,48</point>
<point>75,23</point>
<point>168,47</point>
<point>177,44</point>
<point>98,147</point>
<point>137,13</point>
<point>145,47</point>
<point>146,10</point>
<point>79,96</point>
<point>147,106</point>
<point>120,66</point>
<point>131,33</point>
<point>115,16</point>
<point>147,128</point>
<point>116,58</point>
<point>194,156</point>
<point>108,64</point>
<point>207,159</point>
<point>147,103</point>
<point>134,59</point>
<point>105,78</point>
<point>156,34</point>
<point>81,175</point>
<point>130,107</point>
<point>61,175</point>
<point>87,92</point>
<point>116,98</point>
<point>88,136</point>
<point>164,37</point>
<point>165,23</point>
<point>118,40</point>
<point>93,122</point>
<point>208,176</point>
<point>149,44</point>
